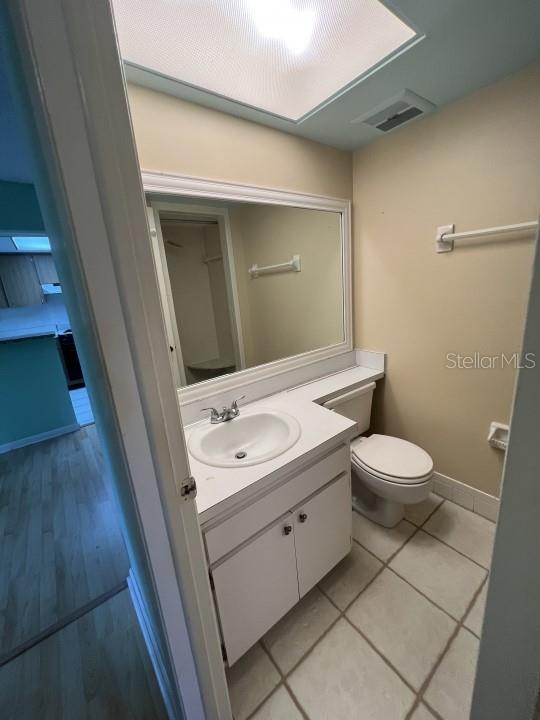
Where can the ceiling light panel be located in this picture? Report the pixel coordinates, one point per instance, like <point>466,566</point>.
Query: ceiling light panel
<point>285,57</point>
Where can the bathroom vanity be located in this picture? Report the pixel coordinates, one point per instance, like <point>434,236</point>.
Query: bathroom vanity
<point>269,272</point>
<point>268,554</point>
<point>274,529</point>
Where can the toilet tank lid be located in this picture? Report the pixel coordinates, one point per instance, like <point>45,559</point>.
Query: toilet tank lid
<point>392,456</point>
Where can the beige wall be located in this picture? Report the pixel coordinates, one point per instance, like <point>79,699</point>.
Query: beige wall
<point>475,163</point>
<point>178,137</point>
<point>287,313</point>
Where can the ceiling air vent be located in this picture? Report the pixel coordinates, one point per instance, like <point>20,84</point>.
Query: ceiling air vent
<point>395,112</point>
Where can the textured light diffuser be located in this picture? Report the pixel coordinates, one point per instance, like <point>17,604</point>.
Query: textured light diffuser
<point>286,57</point>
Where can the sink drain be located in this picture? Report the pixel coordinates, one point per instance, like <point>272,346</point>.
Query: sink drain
<point>240,455</point>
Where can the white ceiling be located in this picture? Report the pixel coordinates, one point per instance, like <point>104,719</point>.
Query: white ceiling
<point>467,44</point>
<point>286,57</point>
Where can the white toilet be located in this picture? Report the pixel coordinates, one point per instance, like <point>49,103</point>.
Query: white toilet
<point>387,473</point>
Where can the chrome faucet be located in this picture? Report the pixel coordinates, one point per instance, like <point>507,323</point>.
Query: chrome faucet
<point>228,413</point>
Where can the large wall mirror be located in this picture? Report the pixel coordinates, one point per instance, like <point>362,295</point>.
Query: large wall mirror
<point>248,283</point>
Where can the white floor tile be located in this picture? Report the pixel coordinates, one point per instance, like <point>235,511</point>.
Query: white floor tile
<point>441,573</point>
<point>405,627</point>
<point>251,680</point>
<point>344,678</point>
<point>290,639</point>
<point>450,690</point>
<point>464,530</point>
<point>382,542</point>
<point>280,706</point>
<point>351,576</point>
<point>476,614</point>
<point>418,513</point>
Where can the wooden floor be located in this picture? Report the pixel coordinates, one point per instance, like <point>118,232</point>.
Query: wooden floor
<point>97,668</point>
<point>60,540</point>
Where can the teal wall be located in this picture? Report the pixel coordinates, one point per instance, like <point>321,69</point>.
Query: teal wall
<point>34,397</point>
<point>19,209</point>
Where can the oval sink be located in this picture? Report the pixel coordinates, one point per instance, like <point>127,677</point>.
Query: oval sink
<point>253,437</point>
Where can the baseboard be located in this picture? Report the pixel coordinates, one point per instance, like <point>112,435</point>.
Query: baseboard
<point>466,496</point>
<point>154,651</point>
<point>40,437</point>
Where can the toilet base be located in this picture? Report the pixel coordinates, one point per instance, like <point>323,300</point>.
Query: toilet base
<point>381,511</point>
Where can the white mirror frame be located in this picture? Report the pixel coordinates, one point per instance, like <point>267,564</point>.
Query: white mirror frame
<point>191,187</point>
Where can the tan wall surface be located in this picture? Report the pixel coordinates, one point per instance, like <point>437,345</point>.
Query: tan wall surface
<point>475,163</point>
<point>287,313</point>
<point>179,137</point>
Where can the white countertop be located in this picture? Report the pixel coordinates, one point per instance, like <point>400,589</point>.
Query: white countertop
<point>219,489</point>
<point>319,391</point>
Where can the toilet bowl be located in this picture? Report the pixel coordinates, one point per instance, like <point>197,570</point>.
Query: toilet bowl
<point>387,473</point>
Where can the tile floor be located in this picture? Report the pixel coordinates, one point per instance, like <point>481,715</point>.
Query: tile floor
<point>392,633</point>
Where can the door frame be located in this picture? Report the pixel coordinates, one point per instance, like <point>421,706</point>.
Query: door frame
<point>77,89</point>
<point>167,304</point>
<point>74,80</point>
<point>508,670</point>
<point>225,239</point>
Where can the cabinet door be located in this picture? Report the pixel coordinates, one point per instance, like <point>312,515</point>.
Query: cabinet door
<point>256,586</point>
<point>20,280</point>
<point>322,532</point>
<point>46,269</point>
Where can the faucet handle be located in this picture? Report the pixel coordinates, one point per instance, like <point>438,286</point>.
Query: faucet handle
<point>234,404</point>
<point>214,414</point>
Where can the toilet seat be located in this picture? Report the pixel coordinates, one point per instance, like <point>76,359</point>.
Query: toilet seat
<point>392,459</point>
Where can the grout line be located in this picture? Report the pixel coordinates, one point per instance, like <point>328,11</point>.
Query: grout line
<point>265,698</point>
<point>439,660</point>
<point>283,682</point>
<point>418,699</point>
<point>420,592</point>
<point>340,611</point>
<point>342,615</point>
<point>424,521</point>
<point>426,597</point>
<point>454,549</point>
<point>310,650</point>
<point>383,657</point>
<point>301,710</point>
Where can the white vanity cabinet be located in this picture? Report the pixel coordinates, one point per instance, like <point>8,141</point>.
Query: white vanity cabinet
<point>256,586</point>
<point>271,552</point>
<point>322,532</point>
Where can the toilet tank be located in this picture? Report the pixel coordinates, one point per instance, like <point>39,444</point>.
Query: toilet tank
<point>355,404</point>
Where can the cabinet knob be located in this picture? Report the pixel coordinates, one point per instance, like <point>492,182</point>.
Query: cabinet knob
<point>287,529</point>
<point>302,517</point>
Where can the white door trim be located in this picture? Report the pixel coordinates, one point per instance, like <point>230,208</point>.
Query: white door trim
<point>191,187</point>
<point>76,85</point>
<point>222,217</point>
<point>232,289</point>
<point>158,248</point>
<point>507,674</point>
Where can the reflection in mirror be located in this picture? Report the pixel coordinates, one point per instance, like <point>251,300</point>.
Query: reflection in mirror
<point>246,284</point>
